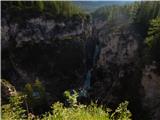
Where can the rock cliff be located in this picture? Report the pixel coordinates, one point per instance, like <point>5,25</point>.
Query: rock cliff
<point>50,50</point>
<point>119,75</point>
<point>105,57</point>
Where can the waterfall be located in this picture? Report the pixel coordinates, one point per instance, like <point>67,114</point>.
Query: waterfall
<point>87,82</point>
<point>87,79</point>
<point>83,91</point>
<point>97,49</point>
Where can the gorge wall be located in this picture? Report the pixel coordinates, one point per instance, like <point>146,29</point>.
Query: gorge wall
<point>54,52</point>
<point>119,75</point>
<point>63,54</point>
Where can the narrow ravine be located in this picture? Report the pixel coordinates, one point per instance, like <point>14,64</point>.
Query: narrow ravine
<point>88,75</point>
<point>87,80</point>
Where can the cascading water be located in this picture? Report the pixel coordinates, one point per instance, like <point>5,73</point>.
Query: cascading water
<point>97,50</point>
<point>87,80</point>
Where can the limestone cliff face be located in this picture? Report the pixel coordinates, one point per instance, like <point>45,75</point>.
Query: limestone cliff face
<point>44,48</point>
<point>151,84</point>
<point>59,53</point>
<point>118,46</point>
<point>117,76</point>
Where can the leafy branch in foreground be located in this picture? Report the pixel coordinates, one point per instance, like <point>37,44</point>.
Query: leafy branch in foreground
<point>15,111</point>
<point>83,112</point>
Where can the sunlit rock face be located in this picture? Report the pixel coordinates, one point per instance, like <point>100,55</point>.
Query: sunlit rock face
<point>7,91</point>
<point>151,84</point>
<point>116,76</point>
<point>118,52</point>
<point>118,46</point>
<point>53,51</point>
<point>41,29</point>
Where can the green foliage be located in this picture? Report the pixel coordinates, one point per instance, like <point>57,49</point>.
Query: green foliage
<point>36,87</point>
<point>72,99</point>
<point>53,9</point>
<point>91,112</point>
<point>145,12</point>
<point>82,112</point>
<point>153,32</point>
<point>28,90</point>
<point>40,5</point>
<point>121,113</point>
<point>35,94</point>
<point>39,87</point>
<point>153,39</point>
<point>14,110</point>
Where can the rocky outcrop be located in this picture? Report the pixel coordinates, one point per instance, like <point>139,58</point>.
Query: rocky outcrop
<point>7,90</point>
<point>70,53</point>
<point>44,48</point>
<point>116,75</point>
<point>119,75</point>
<point>118,46</point>
<point>151,84</point>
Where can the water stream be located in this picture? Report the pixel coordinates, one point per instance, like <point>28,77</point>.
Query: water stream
<point>87,79</point>
<point>97,50</point>
<point>87,82</point>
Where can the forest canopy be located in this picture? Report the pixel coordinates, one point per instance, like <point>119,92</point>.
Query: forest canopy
<point>51,9</point>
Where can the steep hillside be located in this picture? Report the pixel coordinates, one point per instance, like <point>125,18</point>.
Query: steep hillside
<point>40,47</point>
<point>55,51</point>
<point>120,71</point>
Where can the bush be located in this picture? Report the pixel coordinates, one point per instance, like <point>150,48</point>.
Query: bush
<point>36,97</point>
<point>14,110</point>
<point>83,112</point>
<point>153,39</point>
<point>71,99</point>
<point>91,112</point>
